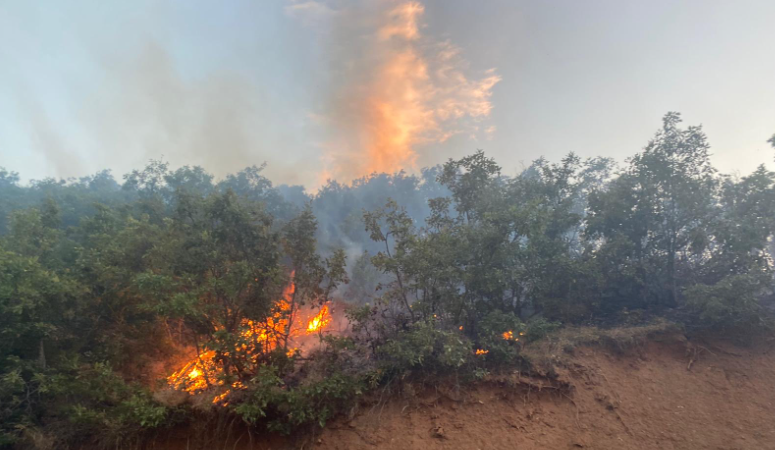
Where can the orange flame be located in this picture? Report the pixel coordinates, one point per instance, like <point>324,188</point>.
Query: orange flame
<point>319,321</point>
<point>509,336</point>
<point>204,371</point>
<point>480,351</point>
<point>414,93</point>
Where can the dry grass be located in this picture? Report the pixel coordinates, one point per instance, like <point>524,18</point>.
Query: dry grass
<point>553,349</point>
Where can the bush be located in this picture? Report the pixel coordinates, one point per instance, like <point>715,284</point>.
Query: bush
<point>539,328</point>
<point>424,345</point>
<point>500,334</point>
<point>730,304</point>
<point>78,403</point>
<point>283,408</point>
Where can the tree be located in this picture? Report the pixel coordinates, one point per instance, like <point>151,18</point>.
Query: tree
<point>218,267</point>
<point>11,195</point>
<point>399,230</point>
<point>662,201</point>
<point>314,278</point>
<point>252,186</point>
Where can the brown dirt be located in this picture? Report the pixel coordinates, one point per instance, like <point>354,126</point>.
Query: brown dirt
<point>659,394</point>
<point>648,398</point>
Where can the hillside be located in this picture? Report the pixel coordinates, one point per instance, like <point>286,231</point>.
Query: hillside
<point>666,393</point>
<point>187,309</point>
<point>645,398</point>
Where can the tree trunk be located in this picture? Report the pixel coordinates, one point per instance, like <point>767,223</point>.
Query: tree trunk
<point>42,355</point>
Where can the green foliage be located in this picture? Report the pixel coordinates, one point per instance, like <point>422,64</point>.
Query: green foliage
<point>732,304</point>
<point>539,328</point>
<point>89,401</point>
<point>103,406</point>
<point>283,409</point>
<point>480,373</point>
<point>654,216</point>
<point>314,278</point>
<point>317,402</point>
<point>425,345</point>
<point>501,334</point>
<point>264,392</point>
<point>216,265</point>
<point>99,281</point>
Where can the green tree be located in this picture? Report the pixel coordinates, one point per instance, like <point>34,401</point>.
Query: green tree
<point>218,265</point>
<point>657,207</point>
<point>314,278</point>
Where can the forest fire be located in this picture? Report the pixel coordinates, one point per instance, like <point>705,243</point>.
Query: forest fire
<point>320,321</point>
<point>206,370</point>
<point>412,92</point>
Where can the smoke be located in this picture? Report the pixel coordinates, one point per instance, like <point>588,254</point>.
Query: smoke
<point>394,90</point>
<point>47,140</point>
<point>146,109</point>
<point>382,92</point>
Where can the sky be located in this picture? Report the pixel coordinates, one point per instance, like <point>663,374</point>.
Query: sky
<point>339,88</point>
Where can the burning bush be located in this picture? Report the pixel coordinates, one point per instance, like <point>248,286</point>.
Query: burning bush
<point>219,270</point>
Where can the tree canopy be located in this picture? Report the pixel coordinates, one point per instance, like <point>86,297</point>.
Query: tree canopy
<point>101,281</point>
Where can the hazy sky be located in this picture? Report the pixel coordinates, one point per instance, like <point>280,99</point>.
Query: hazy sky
<point>326,88</point>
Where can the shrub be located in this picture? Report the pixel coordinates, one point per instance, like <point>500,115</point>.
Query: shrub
<point>730,304</point>
<point>538,328</point>
<point>500,334</point>
<point>424,345</point>
<point>284,408</point>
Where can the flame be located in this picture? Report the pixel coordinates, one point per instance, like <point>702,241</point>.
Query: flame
<point>480,351</point>
<point>319,321</point>
<point>218,398</point>
<point>197,375</point>
<point>509,336</point>
<point>410,92</point>
<point>204,371</point>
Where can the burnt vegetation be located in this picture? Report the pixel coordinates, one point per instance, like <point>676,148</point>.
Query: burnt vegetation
<point>105,284</point>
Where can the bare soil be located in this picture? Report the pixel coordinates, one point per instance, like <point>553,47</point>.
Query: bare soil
<point>661,395</point>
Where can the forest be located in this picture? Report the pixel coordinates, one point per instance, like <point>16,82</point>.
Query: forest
<point>171,299</point>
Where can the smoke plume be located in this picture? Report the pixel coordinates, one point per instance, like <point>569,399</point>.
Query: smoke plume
<point>395,90</point>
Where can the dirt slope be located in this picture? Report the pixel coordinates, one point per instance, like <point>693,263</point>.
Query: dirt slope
<point>644,399</point>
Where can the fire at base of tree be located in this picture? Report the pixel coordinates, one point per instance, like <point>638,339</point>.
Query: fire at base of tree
<point>286,330</point>
<point>280,310</point>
